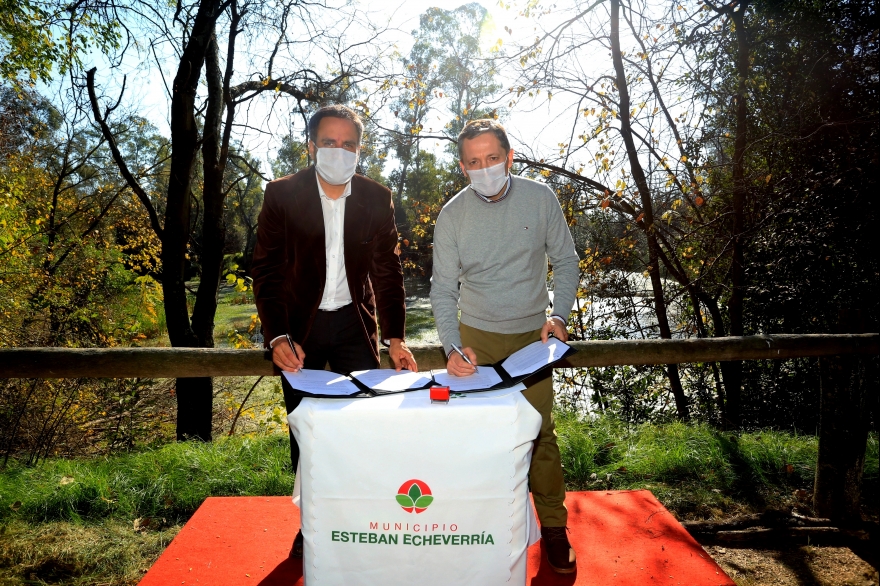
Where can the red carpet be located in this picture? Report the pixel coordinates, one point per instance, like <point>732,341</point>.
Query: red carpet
<point>622,538</point>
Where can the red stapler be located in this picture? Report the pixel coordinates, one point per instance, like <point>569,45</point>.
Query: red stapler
<point>439,394</point>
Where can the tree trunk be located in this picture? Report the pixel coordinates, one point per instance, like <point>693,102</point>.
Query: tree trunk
<point>194,395</point>
<point>647,222</point>
<point>733,370</point>
<point>399,211</point>
<point>843,431</point>
<point>213,224</point>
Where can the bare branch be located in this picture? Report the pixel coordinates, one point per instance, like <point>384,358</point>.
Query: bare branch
<point>117,156</point>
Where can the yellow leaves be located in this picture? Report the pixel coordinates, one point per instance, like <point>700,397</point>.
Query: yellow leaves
<point>684,159</point>
<point>767,178</point>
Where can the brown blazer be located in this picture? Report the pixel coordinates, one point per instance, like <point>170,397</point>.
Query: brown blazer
<point>289,266</point>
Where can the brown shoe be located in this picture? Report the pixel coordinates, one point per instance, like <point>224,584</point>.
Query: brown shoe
<point>297,550</point>
<point>560,554</point>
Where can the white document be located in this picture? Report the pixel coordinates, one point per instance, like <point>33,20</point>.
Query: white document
<point>485,377</point>
<point>534,356</point>
<point>388,379</point>
<point>321,382</point>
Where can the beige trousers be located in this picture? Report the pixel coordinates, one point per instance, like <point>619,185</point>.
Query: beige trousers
<point>545,473</point>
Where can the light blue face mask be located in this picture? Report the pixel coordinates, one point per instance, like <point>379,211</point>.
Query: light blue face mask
<point>489,181</point>
<point>336,166</point>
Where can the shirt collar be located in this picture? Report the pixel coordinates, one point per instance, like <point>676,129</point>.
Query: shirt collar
<point>500,199</point>
<point>345,193</point>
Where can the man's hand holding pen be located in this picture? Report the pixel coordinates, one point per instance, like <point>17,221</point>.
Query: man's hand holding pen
<point>288,355</point>
<point>461,361</point>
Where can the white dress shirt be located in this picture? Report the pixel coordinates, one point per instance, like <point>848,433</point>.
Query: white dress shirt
<point>336,293</point>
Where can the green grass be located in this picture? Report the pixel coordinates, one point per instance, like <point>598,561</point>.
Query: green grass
<point>688,466</point>
<point>169,482</point>
<point>420,328</point>
<point>73,521</point>
<point>108,553</point>
<point>695,470</point>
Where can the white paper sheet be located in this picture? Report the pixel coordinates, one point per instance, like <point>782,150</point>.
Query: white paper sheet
<point>388,379</point>
<point>534,356</point>
<point>485,377</point>
<point>321,382</point>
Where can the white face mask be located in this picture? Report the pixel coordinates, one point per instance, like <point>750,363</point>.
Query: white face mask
<point>489,181</point>
<point>336,166</point>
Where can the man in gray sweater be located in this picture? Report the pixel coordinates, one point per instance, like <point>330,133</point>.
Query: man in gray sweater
<point>491,245</point>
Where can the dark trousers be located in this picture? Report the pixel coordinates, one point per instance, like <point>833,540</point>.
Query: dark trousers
<point>337,338</point>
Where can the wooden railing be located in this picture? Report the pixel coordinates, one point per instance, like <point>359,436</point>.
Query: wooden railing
<point>842,434</point>
<point>194,362</point>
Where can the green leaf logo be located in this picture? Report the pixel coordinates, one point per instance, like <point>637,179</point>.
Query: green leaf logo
<point>414,496</point>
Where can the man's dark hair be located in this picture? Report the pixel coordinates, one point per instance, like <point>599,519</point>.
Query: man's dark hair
<point>474,128</point>
<point>334,111</point>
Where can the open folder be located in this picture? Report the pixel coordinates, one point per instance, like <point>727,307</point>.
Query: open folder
<point>381,381</point>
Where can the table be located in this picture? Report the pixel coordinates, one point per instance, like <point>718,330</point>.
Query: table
<point>397,490</point>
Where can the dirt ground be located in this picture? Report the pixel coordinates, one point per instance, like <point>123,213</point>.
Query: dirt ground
<point>806,565</point>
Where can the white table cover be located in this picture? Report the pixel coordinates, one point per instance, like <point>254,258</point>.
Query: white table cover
<point>472,455</point>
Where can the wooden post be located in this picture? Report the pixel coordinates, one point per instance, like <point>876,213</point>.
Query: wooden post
<point>843,431</point>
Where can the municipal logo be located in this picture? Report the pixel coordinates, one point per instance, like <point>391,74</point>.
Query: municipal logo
<point>414,496</point>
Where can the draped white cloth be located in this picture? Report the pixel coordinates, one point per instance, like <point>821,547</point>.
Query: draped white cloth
<point>395,490</point>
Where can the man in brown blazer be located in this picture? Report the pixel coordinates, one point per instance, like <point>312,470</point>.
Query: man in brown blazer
<point>326,263</point>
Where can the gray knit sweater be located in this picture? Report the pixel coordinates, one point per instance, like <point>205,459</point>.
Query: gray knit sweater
<point>498,252</point>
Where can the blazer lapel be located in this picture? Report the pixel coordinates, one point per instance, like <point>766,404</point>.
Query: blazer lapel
<point>357,219</point>
<point>311,223</point>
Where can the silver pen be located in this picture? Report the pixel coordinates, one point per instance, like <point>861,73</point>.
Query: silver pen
<point>466,359</point>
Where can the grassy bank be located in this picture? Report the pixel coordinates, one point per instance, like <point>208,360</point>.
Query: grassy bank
<point>683,464</point>
<point>104,520</point>
<point>696,471</point>
<point>169,482</point>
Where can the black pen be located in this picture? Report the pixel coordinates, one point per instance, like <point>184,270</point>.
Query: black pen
<point>292,347</point>
<point>466,359</point>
